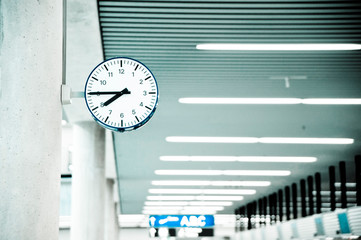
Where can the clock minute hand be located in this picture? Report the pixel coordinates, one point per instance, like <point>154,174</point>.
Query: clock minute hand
<point>116,96</point>
<point>103,93</point>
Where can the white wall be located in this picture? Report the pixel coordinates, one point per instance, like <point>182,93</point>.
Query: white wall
<point>133,233</point>
<point>124,234</point>
<point>64,234</point>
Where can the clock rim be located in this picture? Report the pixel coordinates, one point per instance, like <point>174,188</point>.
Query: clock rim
<point>122,129</point>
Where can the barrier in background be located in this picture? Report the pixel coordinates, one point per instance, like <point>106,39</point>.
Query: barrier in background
<point>342,223</point>
<point>277,216</point>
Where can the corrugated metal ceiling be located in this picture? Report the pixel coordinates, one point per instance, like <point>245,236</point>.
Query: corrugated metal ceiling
<point>163,35</point>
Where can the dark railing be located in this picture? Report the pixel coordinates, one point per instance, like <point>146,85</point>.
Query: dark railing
<point>286,204</point>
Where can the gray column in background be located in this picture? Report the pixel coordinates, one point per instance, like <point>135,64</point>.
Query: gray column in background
<point>30,118</point>
<point>111,218</point>
<point>88,186</point>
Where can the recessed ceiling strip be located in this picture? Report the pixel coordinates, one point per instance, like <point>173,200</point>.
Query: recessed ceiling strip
<point>274,140</point>
<point>272,101</point>
<point>224,172</point>
<point>279,47</point>
<point>211,183</point>
<point>236,159</point>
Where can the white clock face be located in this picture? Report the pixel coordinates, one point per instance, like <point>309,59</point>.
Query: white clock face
<point>121,94</point>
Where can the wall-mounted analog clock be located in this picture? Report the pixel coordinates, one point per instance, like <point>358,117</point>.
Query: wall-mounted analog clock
<point>121,94</point>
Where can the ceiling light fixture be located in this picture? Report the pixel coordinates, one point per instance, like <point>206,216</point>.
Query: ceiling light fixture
<point>193,198</point>
<point>224,172</point>
<point>332,101</point>
<point>158,212</point>
<point>211,183</point>
<point>203,191</point>
<point>212,139</point>
<point>160,208</point>
<point>236,159</point>
<point>240,100</point>
<point>280,46</point>
<point>165,203</point>
<point>278,140</point>
<point>306,140</point>
<point>267,101</point>
<point>183,203</point>
<point>169,211</point>
<point>219,198</point>
<point>199,211</point>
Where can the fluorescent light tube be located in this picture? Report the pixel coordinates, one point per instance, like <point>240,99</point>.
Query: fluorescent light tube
<point>212,139</point>
<point>241,183</point>
<point>211,183</point>
<point>197,208</point>
<point>192,203</point>
<point>203,191</point>
<point>180,183</point>
<point>240,100</point>
<point>307,140</point>
<point>279,47</point>
<point>332,101</point>
<point>315,101</point>
<point>189,172</point>
<point>158,212</point>
<point>219,198</point>
<point>194,211</point>
<point>229,191</point>
<point>278,140</point>
<point>224,172</point>
<point>174,212</point>
<point>171,198</point>
<point>256,172</point>
<point>164,208</point>
<point>192,198</point>
<point>166,203</point>
<point>236,159</point>
<point>210,203</point>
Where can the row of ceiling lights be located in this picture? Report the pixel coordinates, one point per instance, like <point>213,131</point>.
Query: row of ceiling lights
<point>160,204</point>
<point>184,204</point>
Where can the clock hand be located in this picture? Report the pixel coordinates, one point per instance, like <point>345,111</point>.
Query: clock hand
<point>116,96</point>
<point>103,93</point>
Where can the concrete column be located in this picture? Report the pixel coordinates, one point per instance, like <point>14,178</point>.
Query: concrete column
<point>111,218</point>
<point>88,191</point>
<point>30,117</point>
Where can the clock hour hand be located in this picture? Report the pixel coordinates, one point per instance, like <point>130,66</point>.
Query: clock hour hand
<point>116,96</point>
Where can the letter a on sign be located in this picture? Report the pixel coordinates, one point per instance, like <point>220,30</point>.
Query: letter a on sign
<point>184,221</point>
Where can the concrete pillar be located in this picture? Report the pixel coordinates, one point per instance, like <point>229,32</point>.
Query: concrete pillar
<point>88,191</point>
<point>111,218</point>
<point>30,117</point>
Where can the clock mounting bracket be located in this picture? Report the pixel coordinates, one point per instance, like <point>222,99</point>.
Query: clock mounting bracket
<point>67,94</point>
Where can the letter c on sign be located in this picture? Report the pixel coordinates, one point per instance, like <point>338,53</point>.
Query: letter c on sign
<point>201,221</point>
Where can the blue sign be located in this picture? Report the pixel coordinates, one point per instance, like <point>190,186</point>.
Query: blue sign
<point>344,226</point>
<point>174,221</point>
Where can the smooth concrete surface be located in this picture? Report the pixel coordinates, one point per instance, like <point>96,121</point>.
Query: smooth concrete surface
<point>83,52</point>
<point>88,182</point>
<point>65,197</point>
<point>110,167</point>
<point>111,217</point>
<point>30,116</point>
<point>66,149</point>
